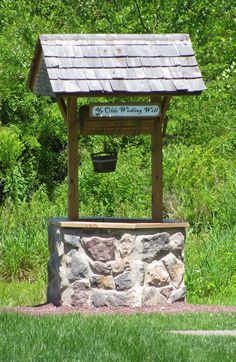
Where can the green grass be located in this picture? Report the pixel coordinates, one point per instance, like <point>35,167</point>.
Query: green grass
<point>114,338</point>
<point>22,293</point>
<point>210,266</point>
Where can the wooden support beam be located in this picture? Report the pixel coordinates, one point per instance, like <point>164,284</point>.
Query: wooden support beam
<point>165,106</point>
<point>157,179</point>
<point>63,108</point>
<point>72,129</point>
<point>157,158</point>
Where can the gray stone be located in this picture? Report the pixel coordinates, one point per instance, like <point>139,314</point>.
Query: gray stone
<point>157,275</point>
<point>98,298</point>
<point>54,238</point>
<point>177,241</point>
<point>73,240</point>
<point>154,244</point>
<point>80,299</point>
<point>81,293</point>
<point>102,281</point>
<point>99,267</point>
<point>123,281</point>
<point>71,252</point>
<point>112,299</point>
<point>53,265</point>
<point>53,290</point>
<point>78,268</point>
<point>178,295</point>
<point>152,297</point>
<point>175,269</point>
<point>64,283</point>
<point>122,299</point>
<point>82,284</point>
<point>101,249</point>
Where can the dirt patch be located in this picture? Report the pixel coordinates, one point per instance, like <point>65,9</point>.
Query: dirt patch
<point>179,307</point>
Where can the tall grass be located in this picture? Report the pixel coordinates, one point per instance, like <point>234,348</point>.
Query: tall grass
<point>210,268</point>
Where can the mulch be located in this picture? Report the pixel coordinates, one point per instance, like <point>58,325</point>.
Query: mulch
<point>175,308</point>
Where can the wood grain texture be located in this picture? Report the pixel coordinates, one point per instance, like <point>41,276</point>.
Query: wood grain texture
<point>157,177</point>
<point>34,65</point>
<point>164,119</point>
<point>94,223</point>
<point>63,108</point>
<point>72,129</point>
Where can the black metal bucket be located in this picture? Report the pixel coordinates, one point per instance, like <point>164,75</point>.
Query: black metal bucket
<point>104,162</point>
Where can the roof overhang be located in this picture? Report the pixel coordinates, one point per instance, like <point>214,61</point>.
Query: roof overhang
<point>114,65</point>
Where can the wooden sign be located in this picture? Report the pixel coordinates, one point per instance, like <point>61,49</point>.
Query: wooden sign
<point>125,110</point>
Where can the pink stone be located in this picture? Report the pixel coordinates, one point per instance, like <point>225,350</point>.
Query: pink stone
<point>100,249</point>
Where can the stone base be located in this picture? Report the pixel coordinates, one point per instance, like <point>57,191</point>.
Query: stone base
<point>121,265</point>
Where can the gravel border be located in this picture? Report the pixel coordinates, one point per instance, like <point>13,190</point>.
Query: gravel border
<point>178,307</point>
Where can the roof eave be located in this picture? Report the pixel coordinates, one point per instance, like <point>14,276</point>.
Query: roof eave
<point>34,65</point>
<point>128,94</point>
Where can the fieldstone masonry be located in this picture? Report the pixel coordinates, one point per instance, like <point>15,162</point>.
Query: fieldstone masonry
<point>114,267</point>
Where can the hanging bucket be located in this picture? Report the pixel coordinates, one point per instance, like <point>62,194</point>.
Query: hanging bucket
<point>104,161</point>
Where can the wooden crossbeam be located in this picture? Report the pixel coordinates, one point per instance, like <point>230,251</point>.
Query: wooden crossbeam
<point>118,127</point>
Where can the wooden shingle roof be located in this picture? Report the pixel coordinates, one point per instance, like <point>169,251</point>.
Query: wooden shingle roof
<point>114,64</point>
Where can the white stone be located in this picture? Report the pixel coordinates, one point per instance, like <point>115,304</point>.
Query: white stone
<point>178,295</point>
<point>152,297</point>
<point>126,245</point>
<point>120,265</point>
<point>78,268</point>
<point>175,269</point>
<point>177,241</point>
<point>138,272</point>
<point>100,298</point>
<point>66,296</point>
<point>157,275</point>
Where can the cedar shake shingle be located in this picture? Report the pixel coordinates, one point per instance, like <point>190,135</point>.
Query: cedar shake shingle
<point>112,64</point>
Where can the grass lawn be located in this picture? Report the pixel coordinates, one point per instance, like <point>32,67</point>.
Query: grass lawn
<point>22,293</point>
<point>114,338</point>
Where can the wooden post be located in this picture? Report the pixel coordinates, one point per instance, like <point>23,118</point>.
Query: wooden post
<point>72,129</point>
<point>157,176</point>
<point>157,182</point>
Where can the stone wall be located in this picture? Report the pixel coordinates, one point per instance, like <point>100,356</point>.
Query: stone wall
<point>112,267</point>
